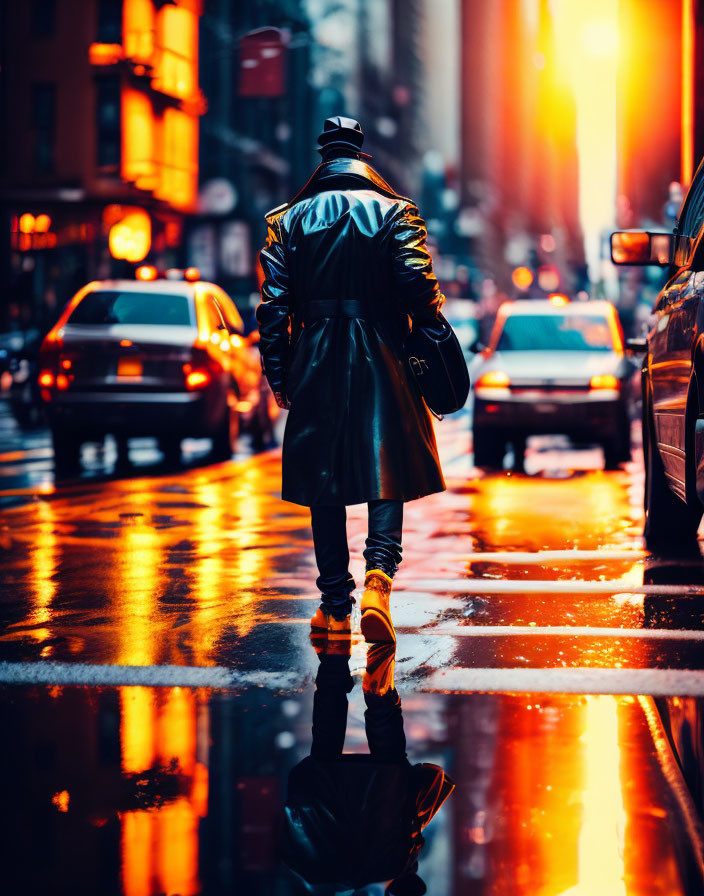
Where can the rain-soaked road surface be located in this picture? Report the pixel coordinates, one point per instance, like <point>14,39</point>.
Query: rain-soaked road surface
<point>528,613</point>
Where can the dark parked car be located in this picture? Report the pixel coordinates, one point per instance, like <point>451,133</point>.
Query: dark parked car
<point>553,367</point>
<point>18,374</point>
<point>151,357</point>
<point>672,375</point>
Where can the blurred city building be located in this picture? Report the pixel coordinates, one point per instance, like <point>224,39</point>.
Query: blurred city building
<point>257,136</point>
<point>652,69</point>
<point>165,129</point>
<point>100,109</point>
<point>146,129</point>
<point>518,150</point>
<point>272,72</point>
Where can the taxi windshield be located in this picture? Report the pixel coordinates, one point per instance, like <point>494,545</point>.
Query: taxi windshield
<point>555,332</point>
<point>116,307</point>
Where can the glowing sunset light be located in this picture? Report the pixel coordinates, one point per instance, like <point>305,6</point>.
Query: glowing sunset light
<point>600,38</point>
<point>588,43</point>
<point>687,151</point>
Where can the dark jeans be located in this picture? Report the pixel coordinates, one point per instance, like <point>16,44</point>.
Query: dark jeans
<point>383,717</point>
<point>383,550</point>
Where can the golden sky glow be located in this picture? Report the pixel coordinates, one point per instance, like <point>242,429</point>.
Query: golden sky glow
<point>587,50</point>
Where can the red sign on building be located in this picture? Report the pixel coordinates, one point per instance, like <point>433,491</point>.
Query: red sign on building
<point>262,63</point>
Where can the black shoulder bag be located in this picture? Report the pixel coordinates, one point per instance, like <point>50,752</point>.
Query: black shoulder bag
<point>438,366</point>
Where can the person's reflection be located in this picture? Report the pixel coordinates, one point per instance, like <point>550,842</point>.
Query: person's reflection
<point>354,819</point>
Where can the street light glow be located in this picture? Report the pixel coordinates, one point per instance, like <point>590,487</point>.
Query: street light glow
<point>600,37</point>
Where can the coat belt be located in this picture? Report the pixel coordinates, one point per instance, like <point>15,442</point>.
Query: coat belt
<point>352,308</point>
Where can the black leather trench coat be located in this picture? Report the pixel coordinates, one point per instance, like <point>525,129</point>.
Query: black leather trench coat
<point>345,264</point>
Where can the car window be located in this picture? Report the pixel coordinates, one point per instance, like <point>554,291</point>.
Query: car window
<point>116,307</point>
<point>213,317</point>
<point>555,332</point>
<point>692,216</point>
<point>229,312</point>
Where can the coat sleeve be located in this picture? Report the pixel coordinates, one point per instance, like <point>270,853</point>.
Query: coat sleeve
<point>418,287</point>
<point>273,312</point>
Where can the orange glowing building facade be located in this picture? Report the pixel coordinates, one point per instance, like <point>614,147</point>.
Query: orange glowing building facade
<point>100,116</point>
<point>517,126</point>
<point>650,78</point>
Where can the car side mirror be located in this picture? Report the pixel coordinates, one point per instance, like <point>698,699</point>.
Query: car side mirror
<point>637,345</point>
<point>640,247</point>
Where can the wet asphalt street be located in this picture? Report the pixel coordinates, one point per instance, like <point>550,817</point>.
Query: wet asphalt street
<point>158,676</point>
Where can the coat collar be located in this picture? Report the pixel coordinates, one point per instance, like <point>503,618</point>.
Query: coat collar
<point>341,174</point>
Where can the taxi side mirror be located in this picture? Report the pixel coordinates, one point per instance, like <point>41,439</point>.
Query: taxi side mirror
<point>640,247</point>
<point>637,345</point>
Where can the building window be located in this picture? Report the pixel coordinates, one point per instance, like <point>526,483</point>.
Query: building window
<point>44,125</point>
<point>43,18</point>
<point>109,22</point>
<point>108,122</point>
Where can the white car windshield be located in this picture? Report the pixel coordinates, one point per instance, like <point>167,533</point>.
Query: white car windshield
<point>556,332</point>
<point>116,307</point>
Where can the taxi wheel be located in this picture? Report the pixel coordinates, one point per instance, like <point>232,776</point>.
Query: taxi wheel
<point>489,449</point>
<point>612,455</point>
<point>67,452</point>
<point>170,447</point>
<point>227,433</point>
<point>669,521</point>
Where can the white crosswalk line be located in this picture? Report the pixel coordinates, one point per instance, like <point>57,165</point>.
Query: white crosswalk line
<point>510,557</point>
<point>570,680</point>
<point>576,631</point>
<point>549,586</point>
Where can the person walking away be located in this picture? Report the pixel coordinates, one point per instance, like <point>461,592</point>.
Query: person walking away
<point>346,273</point>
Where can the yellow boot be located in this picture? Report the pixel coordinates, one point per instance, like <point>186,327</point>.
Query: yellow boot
<point>376,615</point>
<point>329,635</point>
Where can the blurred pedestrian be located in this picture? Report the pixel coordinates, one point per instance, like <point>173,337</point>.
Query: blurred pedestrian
<point>345,264</point>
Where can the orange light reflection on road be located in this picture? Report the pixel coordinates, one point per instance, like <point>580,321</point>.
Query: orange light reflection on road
<point>567,802</point>
<point>176,732</point>
<point>44,565</point>
<point>600,846</point>
<point>229,554</point>
<point>532,513</point>
<point>137,729</point>
<point>137,837</point>
<point>141,565</point>
<point>176,833</point>
<point>160,733</point>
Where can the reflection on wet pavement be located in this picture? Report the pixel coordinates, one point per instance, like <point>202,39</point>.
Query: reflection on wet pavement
<point>181,790</point>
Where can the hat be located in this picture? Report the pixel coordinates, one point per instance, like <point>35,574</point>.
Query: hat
<point>342,132</point>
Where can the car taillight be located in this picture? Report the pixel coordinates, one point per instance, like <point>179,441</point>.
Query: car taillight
<point>53,340</point>
<point>46,380</point>
<point>605,381</point>
<point>493,379</point>
<point>196,378</point>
